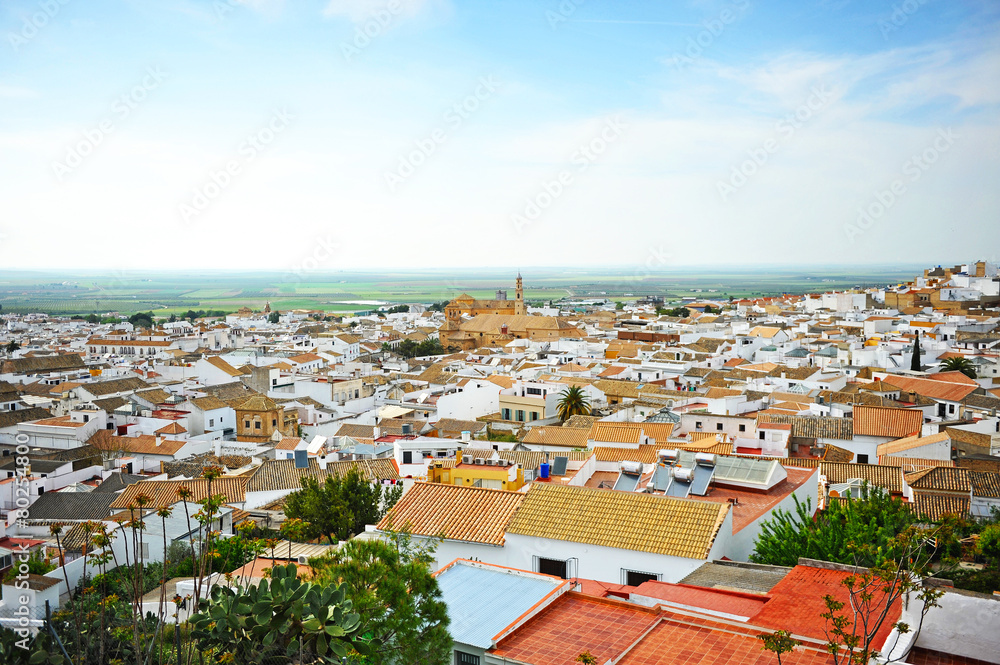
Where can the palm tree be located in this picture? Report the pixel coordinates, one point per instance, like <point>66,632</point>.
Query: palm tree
<point>959,364</point>
<point>573,401</point>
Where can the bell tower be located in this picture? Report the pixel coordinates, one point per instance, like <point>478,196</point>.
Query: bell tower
<point>519,307</point>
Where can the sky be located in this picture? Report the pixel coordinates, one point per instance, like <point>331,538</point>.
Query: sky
<point>358,134</point>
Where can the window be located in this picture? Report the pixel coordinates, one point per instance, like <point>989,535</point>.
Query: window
<point>211,422</point>
<point>462,658</point>
<point>41,491</point>
<point>407,457</point>
<point>862,459</point>
<point>743,428</point>
<point>520,415</point>
<point>256,425</point>
<point>274,422</point>
<point>762,436</point>
<point>534,415</point>
<point>246,424</point>
<point>505,414</point>
<point>554,567</point>
<point>718,427</point>
<point>951,408</point>
<point>534,391</point>
<point>637,577</point>
<point>697,424</point>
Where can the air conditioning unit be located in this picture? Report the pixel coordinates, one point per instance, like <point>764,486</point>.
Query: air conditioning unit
<point>302,559</point>
<point>490,462</point>
<point>480,461</point>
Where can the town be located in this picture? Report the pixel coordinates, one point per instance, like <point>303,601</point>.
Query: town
<point>796,478</point>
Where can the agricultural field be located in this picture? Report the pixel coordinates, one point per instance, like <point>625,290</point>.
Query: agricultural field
<point>166,293</point>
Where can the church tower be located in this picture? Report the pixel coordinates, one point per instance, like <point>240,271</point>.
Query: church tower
<point>519,308</point>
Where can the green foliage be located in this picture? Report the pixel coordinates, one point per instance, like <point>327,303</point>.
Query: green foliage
<point>989,544</point>
<point>410,349</point>
<point>676,312</point>
<point>874,518</point>
<point>586,658</point>
<point>392,588</point>
<point>141,320</point>
<point>398,309</point>
<point>273,317</point>
<point>778,642</point>
<point>712,310</point>
<point>915,357</point>
<point>573,401</point>
<point>341,506</point>
<point>957,364</point>
<point>506,437</point>
<point>438,306</point>
<point>277,620</point>
<point>12,346</point>
<point>619,305</point>
<point>37,565</point>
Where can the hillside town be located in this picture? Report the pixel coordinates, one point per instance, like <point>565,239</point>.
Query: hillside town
<point>591,477</point>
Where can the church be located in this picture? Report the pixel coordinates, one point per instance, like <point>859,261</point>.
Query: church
<point>466,305</point>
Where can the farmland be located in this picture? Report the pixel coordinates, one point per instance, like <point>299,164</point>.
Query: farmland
<point>165,293</point>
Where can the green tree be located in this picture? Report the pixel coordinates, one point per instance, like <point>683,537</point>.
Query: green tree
<point>573,401</point>
<point>959,364</point>
<point>12,346</point>
<point>273,317</point>
<point>141,319</point>
<point>341,506</point>
<point>392,587</point>
<point>915,357</point>
<point>778,642</point>
<point>619,305</point>
<point>989,544</point>
<point>875,518</point>
<point>93,318</point>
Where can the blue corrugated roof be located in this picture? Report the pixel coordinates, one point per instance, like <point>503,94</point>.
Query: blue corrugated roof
<point>482,601</point>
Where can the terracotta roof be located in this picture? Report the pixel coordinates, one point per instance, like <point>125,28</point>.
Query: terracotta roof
<point>645,454</point>
<point>941,479</point>
<point>288,443</point>
<point>281,474</point>
<point>910,464</point>
<point>629,432</point>
<point>622,520</point>
<point>887,421</point>
<point>257,402</point>
<point>797,603</point>
<point>455,512</point>
<point>986,485</point>
<point>550,435</point>
<point>172,428</point>
<point>11,418</point>
<point>164,492</point>
<point>208,403</point>
<point>936,506</point>
<point>813,427</point>
<point>887,477</point>
<point>947,391</point>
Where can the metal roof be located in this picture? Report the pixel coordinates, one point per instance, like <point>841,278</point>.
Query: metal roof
<point>484,600</point>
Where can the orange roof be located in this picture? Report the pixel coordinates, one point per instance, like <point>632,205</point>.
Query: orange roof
<point>887,421</point>
<point>472,514</point>
<point>947,390</point>
<point>61,421</point>
<point>172,428</point>
<point>164,492</point>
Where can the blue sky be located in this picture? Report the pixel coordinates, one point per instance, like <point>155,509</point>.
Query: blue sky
<point>226,134</point>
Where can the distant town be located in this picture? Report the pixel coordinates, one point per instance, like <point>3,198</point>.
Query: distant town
<point>808,477</point>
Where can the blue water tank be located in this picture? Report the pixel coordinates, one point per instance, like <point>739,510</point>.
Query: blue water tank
<point>543,470</point>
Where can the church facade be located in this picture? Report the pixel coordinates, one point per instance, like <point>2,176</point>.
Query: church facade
<point>467,306</point>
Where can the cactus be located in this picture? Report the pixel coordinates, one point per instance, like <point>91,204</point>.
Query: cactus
<point>283,617</point>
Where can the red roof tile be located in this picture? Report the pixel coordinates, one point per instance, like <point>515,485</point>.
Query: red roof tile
<point>716,600</point>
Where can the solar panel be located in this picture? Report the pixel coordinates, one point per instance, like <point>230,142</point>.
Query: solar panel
<point>661,477</point>
<point>702,477</point>
<point>678,488</point>
<point>559,465</point>
<point>627,482</point>
<point>301,459</point>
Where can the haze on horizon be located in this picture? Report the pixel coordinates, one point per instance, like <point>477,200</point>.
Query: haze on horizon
<point>261,134</point>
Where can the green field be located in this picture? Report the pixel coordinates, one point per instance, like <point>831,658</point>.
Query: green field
<point>166,293</point>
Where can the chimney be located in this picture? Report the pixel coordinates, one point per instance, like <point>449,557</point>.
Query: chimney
<point>376,433</point>
<point>218,447</point>
<point>159,440</point>
<point>322,461</point>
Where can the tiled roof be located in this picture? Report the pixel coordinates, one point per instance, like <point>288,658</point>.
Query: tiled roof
<point>886,421</point>
<point>623,520</point>
<point>208,403</point>
<point>985,485</point>
<point>645,454</point>
<point>11,418</point>
<point>751,577</point>
<point>102,388</point>
<point>910,464</point>
<point>71,506</point>
<point>941,479</point>
<point>797,603</point>
<point>571,437</point>
<point>887,477</point>
<point>455,512</point>
<point>940,390</point>
<point>455,425</point>
<point>909,443</point>
<point>629,432</point>
<point>529,459</point>
<point>281,474</point>
<point>575,623</point>
<point>813,427</point>
<point>37,364</point>
<point>164,492</point>
<point>936,506</point>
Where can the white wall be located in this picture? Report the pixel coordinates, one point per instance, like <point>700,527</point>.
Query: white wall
<point>965,624</point>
